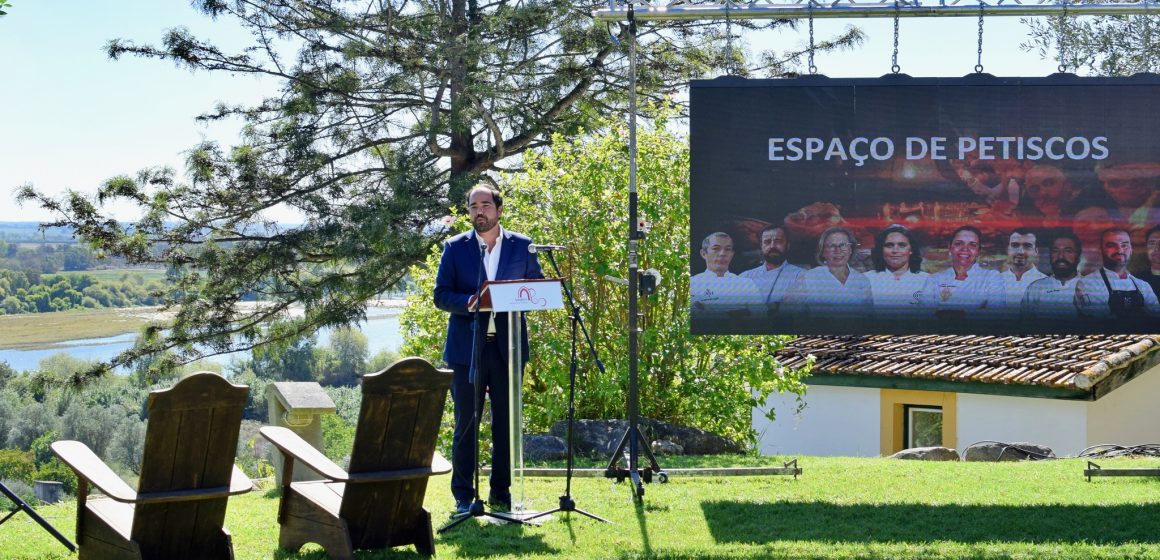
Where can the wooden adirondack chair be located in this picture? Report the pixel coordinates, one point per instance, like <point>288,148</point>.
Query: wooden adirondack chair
<point>379,503</point>
<point>187,475</point>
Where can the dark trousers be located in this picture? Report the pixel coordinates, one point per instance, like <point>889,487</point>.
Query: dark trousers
<point>492,375</point>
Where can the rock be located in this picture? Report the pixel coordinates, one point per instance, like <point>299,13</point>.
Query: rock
<point>592,437</point>
<point>544,447</point>
<point>927,454</point>
<point>662,447</point>
<point>601,437</point>
<point>695,441</point>
<point>995,451</point>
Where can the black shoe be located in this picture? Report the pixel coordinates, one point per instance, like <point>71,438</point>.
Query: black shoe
<point>500,504</point>
<point>462,507</point>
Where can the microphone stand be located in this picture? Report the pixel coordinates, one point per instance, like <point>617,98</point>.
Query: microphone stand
<point>477,506</point>
<point>567,504</point>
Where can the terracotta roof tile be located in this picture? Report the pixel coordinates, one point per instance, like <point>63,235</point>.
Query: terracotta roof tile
<point>1074,362</point>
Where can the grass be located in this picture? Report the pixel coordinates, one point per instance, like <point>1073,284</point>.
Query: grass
<point>33,330</point>
<point>841,508</point>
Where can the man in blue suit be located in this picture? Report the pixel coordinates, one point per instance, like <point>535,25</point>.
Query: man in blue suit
<point>488,252</point>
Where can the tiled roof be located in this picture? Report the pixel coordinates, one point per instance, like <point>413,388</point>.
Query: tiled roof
<point>1071,362</point>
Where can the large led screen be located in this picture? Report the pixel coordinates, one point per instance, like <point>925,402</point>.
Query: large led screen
<point>978,205</point>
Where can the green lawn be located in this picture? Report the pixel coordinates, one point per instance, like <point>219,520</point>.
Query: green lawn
<point>840,508</point>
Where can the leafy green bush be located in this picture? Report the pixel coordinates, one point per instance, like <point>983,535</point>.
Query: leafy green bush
<point>337,438</point>
<point>347,401</point>
<point>576,194</point>
<point>41,447</point>
<point>16,465</point>
<point>20,488</point>
<point>253,455</point>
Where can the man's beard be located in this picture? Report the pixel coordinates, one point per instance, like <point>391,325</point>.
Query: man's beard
<point>1068,272</point>
<point>1114,262</point>
<point>774,258</point>
<point>483,226</point>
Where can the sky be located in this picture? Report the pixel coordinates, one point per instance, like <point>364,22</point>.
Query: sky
<point>71,118</point>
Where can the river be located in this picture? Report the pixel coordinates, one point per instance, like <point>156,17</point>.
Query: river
<point>381,329</point>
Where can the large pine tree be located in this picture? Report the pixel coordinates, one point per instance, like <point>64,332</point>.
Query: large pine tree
<point>386,113</point>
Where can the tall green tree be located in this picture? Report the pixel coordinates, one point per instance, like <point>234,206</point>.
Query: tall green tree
<point>577,195</point>
<point>345,358</point>
<point>387,111</point>
<point>1105,45</point>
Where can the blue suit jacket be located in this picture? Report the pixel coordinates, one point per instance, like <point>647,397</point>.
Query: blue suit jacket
<point>457,281</point>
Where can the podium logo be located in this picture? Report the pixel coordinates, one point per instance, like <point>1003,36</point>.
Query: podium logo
<point>528,295</point>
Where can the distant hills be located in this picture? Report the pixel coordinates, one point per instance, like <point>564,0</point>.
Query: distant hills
<point>29,232</point>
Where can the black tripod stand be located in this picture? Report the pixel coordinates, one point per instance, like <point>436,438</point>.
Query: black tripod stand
<point>632,436</point>
<point>477,506</point>
<point>566,502</point>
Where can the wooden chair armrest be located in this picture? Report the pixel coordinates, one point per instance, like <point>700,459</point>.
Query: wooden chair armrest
<point>440,465</point>
<point>293,445</point>
<point>239,484</point>
<point>88,466</point>
<point>386,476</point>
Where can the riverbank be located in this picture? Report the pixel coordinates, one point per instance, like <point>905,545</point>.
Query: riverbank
<point>31,330</point>
<point>34,330</point>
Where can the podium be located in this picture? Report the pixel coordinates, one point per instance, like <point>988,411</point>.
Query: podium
<point>516,297</point>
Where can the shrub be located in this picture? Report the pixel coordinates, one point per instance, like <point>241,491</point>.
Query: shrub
<point>16,465</point>
<point>338,438</point>
<point>41,447</point>
<point>347,401</point>
<point>19,487</point>
<point>253,455</point>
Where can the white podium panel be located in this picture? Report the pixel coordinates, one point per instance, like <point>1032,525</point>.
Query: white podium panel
<point>526,295</point>
<point>516,297</point>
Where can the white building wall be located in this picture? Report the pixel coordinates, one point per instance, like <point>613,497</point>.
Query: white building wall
<point>1060,425</point>
<point>836,421</point>
<point>1128,415</point>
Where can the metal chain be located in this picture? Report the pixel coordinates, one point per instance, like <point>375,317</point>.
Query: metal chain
<point>1147,38</point>
<point>979,63</point>
<point>813,69</point>
<point>1061,43</point>
<point>894,59</point>
<point>729,39</point>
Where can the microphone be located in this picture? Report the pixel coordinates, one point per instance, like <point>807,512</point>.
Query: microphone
<point>535,248</point>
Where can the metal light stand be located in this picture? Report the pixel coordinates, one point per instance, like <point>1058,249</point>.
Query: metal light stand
<point>567,504</point>
<point>477,506</point>
<point>632,435</point>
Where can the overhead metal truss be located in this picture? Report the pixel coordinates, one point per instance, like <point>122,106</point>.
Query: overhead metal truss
<point>618,10</point>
